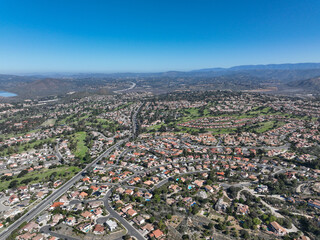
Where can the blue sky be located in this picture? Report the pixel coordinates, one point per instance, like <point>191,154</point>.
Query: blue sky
<point>155,35</point>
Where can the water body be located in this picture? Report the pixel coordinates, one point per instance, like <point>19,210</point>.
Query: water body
<point>7,94</point>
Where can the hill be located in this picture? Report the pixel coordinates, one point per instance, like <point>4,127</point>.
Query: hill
<point>43,87</point>
<point>285,66</point>
<point>312,84</point>
<point>283,77</point>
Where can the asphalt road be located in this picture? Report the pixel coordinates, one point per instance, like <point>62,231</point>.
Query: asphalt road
<point>56,194</point>
<point>46,229</point>
<point>65,187</point>
<point>127,89</point>
<point>131,230</point>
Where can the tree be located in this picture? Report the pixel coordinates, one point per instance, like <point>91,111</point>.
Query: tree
<point>152,219</point>
<point>256,221</point>
<point>126,237</point>
<point>210,225</point>
<point>156,198</point>
<point>195,209</point>
<point>13,184</point>
<point>22,173</point>
<point>233,191</point>
<point>52,176</point>
<point>244,234</point>
<point>272,218</point>
<point>162,128</point>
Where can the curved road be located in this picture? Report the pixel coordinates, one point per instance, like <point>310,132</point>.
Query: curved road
<point>131,230</point>
<point>127,89</point>
<point>65,187</point>
<point>56,194</point>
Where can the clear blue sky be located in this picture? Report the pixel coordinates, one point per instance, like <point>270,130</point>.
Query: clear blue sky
<point>155,35</point>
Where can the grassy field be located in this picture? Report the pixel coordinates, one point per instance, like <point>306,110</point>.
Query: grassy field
<point>48,123</point>
<point>266,126</point>
<point>24,147</point>
<point>222,131</point>
<point>43,175</point>
<point>83,117</point>
<point>73,118</point>
<point>107,124</point>
<point>260,111</point>
<point>195,113</point>
<point>67,119</point>
<point>123,106</point>
<point>6,136</point>
<point>155,127</point>
<point>81,148</point>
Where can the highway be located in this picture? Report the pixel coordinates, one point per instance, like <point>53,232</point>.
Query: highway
<point>127,89</point>
<point>65,187</point>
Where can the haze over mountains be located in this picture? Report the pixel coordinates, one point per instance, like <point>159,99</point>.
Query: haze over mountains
<point>283,78</point>
<point>312,84</point>
<point>285,66</point>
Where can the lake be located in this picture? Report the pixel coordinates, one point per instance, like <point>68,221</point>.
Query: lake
<point>7,94</point>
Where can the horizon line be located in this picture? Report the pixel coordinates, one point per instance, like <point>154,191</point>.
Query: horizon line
<point>23,73</point>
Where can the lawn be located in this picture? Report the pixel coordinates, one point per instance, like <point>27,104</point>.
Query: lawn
<point>43,175</point>
<point>6,136</point>
<point>265,126</point>
<point>260,111</point>
<point>49,122</point>
<point>194,114</point>
<point>123,106</point>
<point>269,125</point>
<point>25,146</point>
<point>68,119</point>
<point>84,117</point>
<point>109,125</point>
<point>81,148</point>
<point>155,127</point>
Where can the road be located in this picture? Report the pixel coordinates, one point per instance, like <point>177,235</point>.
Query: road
<point>46,230</point>
<point>273,210</point>
<point>134,121</point>
<point>298,190</point>
<point>127,89</point>
<point>65,187</point>
<point>58,154</point>
<point>131,230</point>
<point>56,194</point>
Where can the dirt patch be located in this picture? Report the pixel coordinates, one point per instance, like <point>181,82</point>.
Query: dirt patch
<point>316,187</point>
<point>174,221</point>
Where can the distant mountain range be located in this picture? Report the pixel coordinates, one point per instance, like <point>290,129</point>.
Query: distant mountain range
<point>47,86</point>
<point>284,66</point>
<point>312,84</point>
<point>299,77</point>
